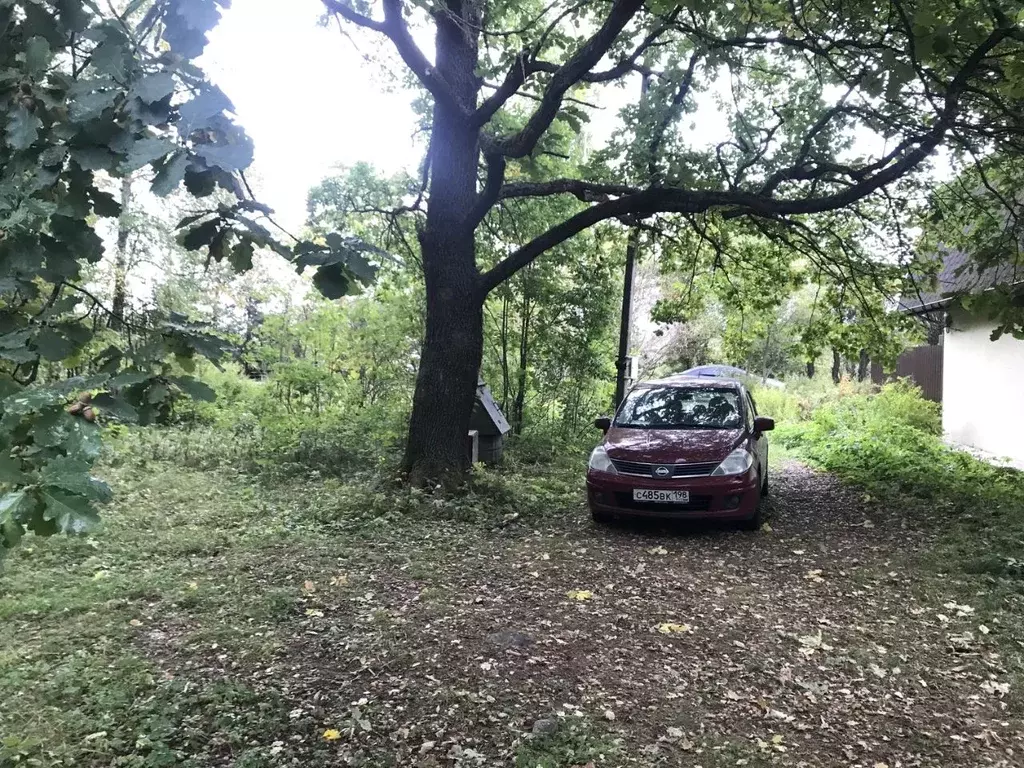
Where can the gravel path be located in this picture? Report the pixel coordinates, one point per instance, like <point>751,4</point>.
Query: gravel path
<point>815,643</point>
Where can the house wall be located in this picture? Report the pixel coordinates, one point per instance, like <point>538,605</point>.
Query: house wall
<point>983,388</point>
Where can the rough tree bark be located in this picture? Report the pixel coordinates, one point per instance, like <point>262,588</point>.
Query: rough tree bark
<point>453,341</point>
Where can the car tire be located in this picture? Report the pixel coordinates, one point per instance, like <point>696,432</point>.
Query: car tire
<point>755,521</point>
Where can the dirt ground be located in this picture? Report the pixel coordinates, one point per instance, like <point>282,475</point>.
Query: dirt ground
<point>818,641</point>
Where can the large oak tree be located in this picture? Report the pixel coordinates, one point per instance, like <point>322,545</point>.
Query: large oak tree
<point>830,105</point>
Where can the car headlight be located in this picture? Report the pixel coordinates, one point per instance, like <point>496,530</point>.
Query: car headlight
<point>736,463</point>
<point>599,461</point>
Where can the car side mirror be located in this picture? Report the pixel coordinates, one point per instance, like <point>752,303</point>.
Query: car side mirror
<point>763,424</point>
<point>603,423</point>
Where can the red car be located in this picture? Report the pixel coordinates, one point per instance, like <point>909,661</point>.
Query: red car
<point>680,448</point>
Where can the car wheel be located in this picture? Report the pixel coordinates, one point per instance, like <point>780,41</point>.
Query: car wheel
<point>755,521</point>
<point>601,518</point>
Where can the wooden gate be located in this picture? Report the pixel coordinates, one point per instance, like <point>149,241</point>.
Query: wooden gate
<point>921,364</point>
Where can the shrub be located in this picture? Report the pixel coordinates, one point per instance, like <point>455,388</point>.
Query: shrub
<point>889,443</point>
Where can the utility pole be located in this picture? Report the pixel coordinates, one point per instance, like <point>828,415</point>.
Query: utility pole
<point>632,251</point>
<point>622,363</point>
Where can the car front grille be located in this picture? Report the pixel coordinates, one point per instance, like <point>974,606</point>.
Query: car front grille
<point>641,469</point>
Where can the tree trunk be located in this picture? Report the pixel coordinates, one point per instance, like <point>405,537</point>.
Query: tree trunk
<point>453,342</point>
<point>837,369</point>
<point>120,298</point>
<point>810,370</point>
<point>863,365</point>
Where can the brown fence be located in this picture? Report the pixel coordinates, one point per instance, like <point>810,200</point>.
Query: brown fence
<point>922,364</point>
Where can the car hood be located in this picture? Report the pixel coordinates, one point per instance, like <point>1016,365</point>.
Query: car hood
<point>668,446</point>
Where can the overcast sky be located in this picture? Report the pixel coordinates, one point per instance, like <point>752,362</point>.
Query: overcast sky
<point>310,101</point>
<point>306,98</point>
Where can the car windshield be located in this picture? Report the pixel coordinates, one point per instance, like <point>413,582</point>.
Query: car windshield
<point>681,408</point>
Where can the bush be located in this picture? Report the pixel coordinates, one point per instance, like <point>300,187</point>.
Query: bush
<point>890,444</point>
<point>803,397</point>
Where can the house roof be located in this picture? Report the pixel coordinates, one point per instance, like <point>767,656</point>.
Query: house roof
<point>960,275</point>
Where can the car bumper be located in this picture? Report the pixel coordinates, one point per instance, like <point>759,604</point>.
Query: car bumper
<point>721,498</point>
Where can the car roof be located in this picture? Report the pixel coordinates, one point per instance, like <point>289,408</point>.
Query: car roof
<point>695,382</point>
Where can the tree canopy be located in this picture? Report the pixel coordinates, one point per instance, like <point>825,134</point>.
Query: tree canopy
<point>829,116</point>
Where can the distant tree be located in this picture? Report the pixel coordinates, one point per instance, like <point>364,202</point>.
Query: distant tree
<point>801,81</point>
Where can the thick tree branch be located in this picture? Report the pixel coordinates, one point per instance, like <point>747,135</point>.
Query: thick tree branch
<point>565,77</point>
<point>350,14</point>
<point>394,27</point>
<point>515,77</point>
<point>526,64</point>
<point>587,191</point>
<point>492,188</point>
<point>736,203</point>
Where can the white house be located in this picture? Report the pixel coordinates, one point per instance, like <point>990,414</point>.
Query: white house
<point>982,380</point>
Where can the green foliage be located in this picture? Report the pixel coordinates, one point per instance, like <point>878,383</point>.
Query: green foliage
<point>576,741</point>
<point>889,443</point>
<point>981,213</point>
<point>802,397</point>
<point>89,95</point>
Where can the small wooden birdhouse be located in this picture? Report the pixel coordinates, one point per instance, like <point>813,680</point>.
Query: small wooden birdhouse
<point>487,427</point>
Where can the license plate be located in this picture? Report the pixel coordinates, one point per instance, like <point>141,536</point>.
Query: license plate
<point>661,497</point>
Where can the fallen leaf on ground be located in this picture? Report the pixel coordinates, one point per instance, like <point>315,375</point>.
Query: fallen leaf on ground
<point>579,594</point>
<point>332,735</point>
<point>659,550</point>
<point>669,628</point>
<point>995,688</point>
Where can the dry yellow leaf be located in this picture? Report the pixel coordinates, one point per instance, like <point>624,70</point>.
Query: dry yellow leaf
<point>669,628</point>
<point>332,735</point>
<point>579,594</point>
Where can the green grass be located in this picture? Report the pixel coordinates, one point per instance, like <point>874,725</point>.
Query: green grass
<point>76,685</point>
<point>575,742</point>
<point>96,633</point>
<point>93,630</point>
